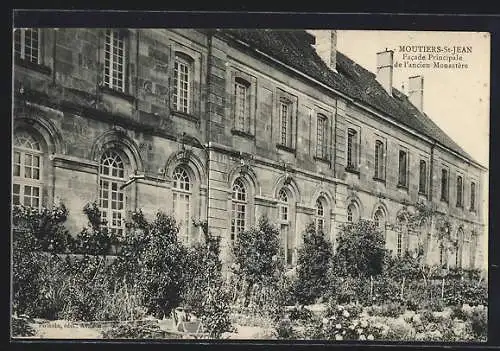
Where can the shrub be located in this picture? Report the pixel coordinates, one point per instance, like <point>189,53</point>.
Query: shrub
<point>479,323</point>
<point>392,309</point>
<point>285,330</point>
<point>149,330</point>
<point>45,228</point>
<point>257,256</point>
<point>95,239</point>
<point>20,327</point>
<point>360,250</point>
<point>151,257</point>
<point>312,266</point>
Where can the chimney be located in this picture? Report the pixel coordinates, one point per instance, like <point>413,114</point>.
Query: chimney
<point>416,92</point>
<point>384,69</point>
<point>326,46</point>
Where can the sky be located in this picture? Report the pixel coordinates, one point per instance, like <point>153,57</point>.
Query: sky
<point>457,100</point>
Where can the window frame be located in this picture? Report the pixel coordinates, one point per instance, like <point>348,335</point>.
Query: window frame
<point>182,197</point>
<point>119,35</point>
<point>322,134</point>
<point>473,195</point>
<point>352,153</point>
<point>320,217</point>
<point>21,55</point>
<point>445,184</point>
<point>117,230</point>
<point>379,160</point>
<point>403,172</point>
<point>460,191</point>
<point>246,127</point>
<point>286,131</point>
<point>237,227</point>
<point>21,180</point>
<point>181,58</point>
<point>422,180</point>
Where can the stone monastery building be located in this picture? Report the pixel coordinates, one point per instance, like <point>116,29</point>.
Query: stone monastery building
<point>229,125</point>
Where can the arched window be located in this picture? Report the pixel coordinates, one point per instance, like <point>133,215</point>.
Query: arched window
<point>27,171</point>
<point>182,202</point>
<point>352,213</point>
<point>285,221</point>
<point>320,215</point>
<point>239,208</point>
<point>111,197</point>
<point>283,206</point>
<point>379,219</point>
<point>402,235</point>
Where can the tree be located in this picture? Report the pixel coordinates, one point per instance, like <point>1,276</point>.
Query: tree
<point>257,255</point>
<point>312,270</point>
<point>153,258</point>
<point>360,250</point>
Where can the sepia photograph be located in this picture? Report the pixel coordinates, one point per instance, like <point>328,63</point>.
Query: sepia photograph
<point>252,184</point>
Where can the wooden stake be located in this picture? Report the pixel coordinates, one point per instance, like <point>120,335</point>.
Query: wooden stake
<point>442,289</point>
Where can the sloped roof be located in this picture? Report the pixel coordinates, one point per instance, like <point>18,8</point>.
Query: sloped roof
<point>293,47</point>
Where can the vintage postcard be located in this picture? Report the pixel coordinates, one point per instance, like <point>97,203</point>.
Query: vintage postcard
<point>259,184</point>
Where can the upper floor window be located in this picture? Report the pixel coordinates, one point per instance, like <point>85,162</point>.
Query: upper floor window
<point>239,208</point>
<point>182,84</point>
<point>320,215</point>
<point>26,171</point>
<point>285,113</point>
<point>352,149</point>
<point>422,184</point>
<point>444,184</point>
<point>403,168</point>
<point>241,105</point>
<point>182,201</point>
<point>114,60</point>
<point>472,196</point>
<point>321,137</point>
<point>460,188</point>
<point>111,197</point>
<point>27,44</point>
<point>379,159</point>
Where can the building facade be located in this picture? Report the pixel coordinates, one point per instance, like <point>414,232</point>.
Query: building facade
<point>230,125</point>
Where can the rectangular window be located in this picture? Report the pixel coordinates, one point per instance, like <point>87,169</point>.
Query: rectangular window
<point>114,60</point>
<point>181,203</point>
<point>352,149</point>
<point>27,44</point>
<point>403,168</point>
<point>422,184</point>
<point>242,106</point>
<point>472,196</point>
<point>444,184</point>
<point>321,141</point>
<point>285,132</point>
<point>182,81</point>
<point>460,191</point>
<point>238,219</point>
<point>379,159</point>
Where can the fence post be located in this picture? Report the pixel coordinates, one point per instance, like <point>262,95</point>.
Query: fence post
<point>371,289</point>
<point>403,286</point>
<point>442,289</point>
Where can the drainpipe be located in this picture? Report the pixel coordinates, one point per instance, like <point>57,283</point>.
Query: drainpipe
<point>54,57</point>
<point>431,185</point>
<point>137,69</point>
<point>207,112</point>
